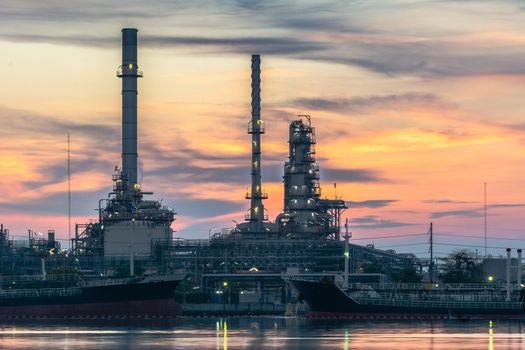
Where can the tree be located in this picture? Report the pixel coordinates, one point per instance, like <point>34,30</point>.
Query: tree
<point>407,275</point>
<point>461,267</point>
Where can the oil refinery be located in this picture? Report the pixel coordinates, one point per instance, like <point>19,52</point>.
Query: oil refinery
<point>133,233</point>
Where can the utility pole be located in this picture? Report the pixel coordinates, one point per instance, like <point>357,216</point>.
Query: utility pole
<point>431,267</point>
<point>485,214</point>
<point>347,255</point>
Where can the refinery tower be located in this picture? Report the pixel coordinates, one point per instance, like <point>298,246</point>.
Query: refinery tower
<point>128,224</point>
<point>305,214</point>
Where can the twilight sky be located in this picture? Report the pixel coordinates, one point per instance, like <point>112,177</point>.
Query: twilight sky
<point>416,104</point>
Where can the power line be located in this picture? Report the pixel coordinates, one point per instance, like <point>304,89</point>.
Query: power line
<point>470,246</point>
<point>490,237</point>
<point>477,228</point>
<point>385,237</point>
<point>403,245</point>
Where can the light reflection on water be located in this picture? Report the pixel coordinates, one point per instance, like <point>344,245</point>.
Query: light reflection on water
<point>272,333</point>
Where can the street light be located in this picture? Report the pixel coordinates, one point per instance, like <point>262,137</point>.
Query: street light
<point>225,285</point>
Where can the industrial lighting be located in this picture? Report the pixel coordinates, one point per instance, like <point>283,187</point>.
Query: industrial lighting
<point>347,254</point>
<point>225,284</point>
<point>130,66</point>
<point>490,278</point>
<point>253,269</point>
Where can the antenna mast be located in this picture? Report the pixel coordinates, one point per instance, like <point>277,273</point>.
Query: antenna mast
<point>69,189</point>
<point>431,267</point>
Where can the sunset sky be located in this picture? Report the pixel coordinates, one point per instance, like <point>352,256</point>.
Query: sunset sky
<point>416,104</point>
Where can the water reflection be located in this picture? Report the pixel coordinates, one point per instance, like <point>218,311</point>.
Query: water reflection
<point>491,336</point>
<point>272,333</point>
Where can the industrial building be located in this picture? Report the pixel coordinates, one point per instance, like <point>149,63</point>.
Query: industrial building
<point>304,237</point>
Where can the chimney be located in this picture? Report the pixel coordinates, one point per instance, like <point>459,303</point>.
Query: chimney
<point>256,128</point>
<point>129,73</point>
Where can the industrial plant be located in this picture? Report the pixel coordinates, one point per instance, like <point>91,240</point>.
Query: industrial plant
<point>248,259</point>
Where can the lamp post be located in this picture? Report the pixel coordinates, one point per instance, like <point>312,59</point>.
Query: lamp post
<point>225,285</point>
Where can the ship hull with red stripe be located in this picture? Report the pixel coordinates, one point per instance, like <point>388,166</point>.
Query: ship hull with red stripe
<point>149,298</point>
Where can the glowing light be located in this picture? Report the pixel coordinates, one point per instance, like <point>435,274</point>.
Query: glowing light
<point>225,337</point>
<point>225,284</point>
<point>253,269</point>
<point>130,66</point>
<point>347,254</point>
<point>490,279</point>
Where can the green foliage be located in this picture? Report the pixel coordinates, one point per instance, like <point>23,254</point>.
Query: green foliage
<point>461,267</point>
<point>407,275</point>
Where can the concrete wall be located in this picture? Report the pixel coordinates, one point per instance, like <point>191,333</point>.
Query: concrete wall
<point>119,236</point>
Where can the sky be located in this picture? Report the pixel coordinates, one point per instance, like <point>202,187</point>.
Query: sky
<point>416,105</point>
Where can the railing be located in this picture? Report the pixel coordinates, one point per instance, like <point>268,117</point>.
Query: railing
<point>429,286</point>
<point>39,293</point>
<point>441,304</point>
<point>36,278</point>
<point>257,128</point>
<point>129,72</point>
<point>107,282</point>
<point>248,216</point>
<point>261,195</point>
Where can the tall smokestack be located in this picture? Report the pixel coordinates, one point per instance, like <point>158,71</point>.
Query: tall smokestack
<point>256,128</point>
<point>129,73</point>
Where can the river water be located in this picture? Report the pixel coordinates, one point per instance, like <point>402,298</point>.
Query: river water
<point>271,333</point>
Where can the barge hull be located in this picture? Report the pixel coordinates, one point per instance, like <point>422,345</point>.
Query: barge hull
<point>146,308</point>
<point>326,300</point>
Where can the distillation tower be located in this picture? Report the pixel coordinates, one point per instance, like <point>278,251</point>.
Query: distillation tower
<point>306,214</point>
